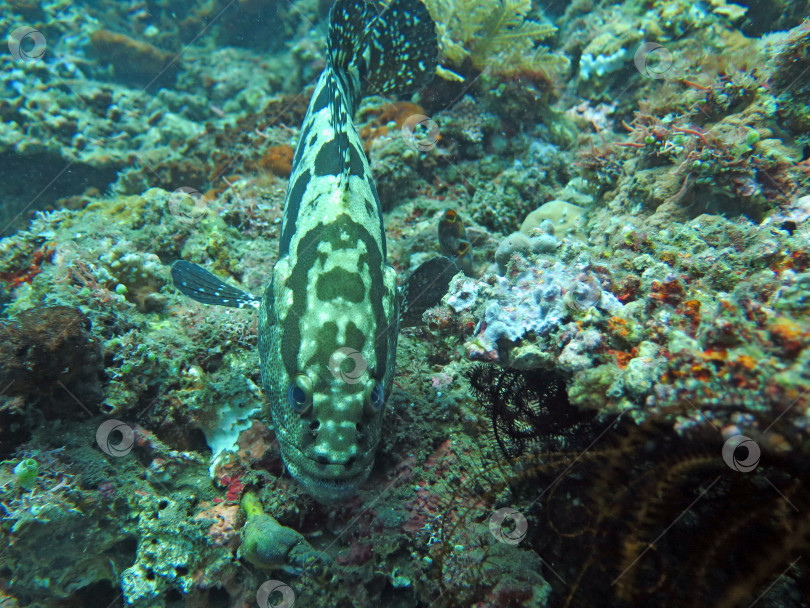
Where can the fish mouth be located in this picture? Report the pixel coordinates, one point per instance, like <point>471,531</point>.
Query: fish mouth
<point>325,482</point>
<point>325,489</point>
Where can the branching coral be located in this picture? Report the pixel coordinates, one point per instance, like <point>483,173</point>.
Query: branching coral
<point>490,33</point>
<point>730,165</point>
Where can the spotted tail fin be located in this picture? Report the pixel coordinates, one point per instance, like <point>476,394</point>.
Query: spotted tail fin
<point>200,285</point>
<point>392,52</point>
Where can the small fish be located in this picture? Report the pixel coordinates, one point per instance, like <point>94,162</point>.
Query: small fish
<point>425,288</point>
<point>454,242</point>
<point>328,321</point>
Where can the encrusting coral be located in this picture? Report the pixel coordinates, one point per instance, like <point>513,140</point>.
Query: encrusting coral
<point>134,60</point>
<point>44,352</point>
<point>268,545</point>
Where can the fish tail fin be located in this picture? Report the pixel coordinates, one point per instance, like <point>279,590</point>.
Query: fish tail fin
<point>393,52</point>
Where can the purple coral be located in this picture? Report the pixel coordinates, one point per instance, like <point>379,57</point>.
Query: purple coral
<point>536,303</point>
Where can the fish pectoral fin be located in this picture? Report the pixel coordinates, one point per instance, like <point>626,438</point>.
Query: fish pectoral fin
<point>200,285</point>
<point>425,289</point>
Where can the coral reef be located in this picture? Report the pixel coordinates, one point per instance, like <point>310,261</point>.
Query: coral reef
<point>176,551</point>
<point>46,353</point>
<point>135,61</point>
<point>790,52</point>
<point>544,315</point>
<point>62,513</point>
<point>487,34</point>
<point>278,160</point>
<point>582,497</point>
<point>649,340</point>
<point>634,185</point>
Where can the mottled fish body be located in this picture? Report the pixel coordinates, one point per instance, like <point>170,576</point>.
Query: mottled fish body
<point>328,320</point>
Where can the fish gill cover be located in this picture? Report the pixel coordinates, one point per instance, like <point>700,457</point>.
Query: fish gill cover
<point>608,407</point>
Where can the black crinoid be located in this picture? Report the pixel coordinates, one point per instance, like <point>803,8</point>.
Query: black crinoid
<point>525,407</point>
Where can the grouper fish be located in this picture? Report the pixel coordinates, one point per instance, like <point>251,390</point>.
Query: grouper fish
<point>329,317</point>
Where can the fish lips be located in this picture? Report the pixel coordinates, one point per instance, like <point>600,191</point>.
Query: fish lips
<point>325,482</point>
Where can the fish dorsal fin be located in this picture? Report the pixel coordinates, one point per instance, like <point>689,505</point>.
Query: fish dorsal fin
<point>341,115</point>
<point>391,51</point>
<point>347,26</point>
<point>425,289</point>
<point>347,29</point>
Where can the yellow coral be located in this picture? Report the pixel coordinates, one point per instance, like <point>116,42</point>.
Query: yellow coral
<point>488,32</point>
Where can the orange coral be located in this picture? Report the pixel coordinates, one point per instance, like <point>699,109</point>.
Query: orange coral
<point>224,531</point>
<point>379,126</point>
<point>618,327</point>
<point>788,334</point>
<point>13,278</point>
<point>255,442</point>
<point>740,369</point>
<point>700,372</point>
<point>669,291</point>
<point>718,355</point>
<point>745,362</point>
<point>278,160</point>
<point>692,310</point>
<point>623,357</point>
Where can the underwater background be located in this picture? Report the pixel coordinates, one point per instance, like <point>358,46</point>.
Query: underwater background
<point>609,407</point>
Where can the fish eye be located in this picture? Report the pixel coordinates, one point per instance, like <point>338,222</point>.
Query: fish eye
<point>377,397</point>
<point>299,393</point>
